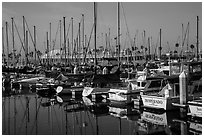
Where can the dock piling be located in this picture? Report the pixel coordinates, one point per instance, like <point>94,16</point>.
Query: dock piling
<point>183,91</point>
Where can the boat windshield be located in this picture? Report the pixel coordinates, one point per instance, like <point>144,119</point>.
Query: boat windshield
<point>155,84</point>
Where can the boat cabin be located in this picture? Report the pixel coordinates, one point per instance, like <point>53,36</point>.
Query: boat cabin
<point>153,84</point>
<point>193,69</point>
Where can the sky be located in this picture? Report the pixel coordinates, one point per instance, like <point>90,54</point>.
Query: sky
<point>135,18</point>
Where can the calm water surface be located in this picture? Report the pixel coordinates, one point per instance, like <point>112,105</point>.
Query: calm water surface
<point>30,114</point>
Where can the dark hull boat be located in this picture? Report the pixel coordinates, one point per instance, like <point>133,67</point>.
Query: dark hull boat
<point>46,92</point>
<point>101,84</point>
<point>24,70</point>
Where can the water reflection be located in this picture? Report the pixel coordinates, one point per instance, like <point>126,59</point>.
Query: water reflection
<point>27,113</point>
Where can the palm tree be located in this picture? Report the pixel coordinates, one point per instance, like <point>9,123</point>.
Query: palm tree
<point>192,47</point>
<point>142,47</point>
<point>177,45</point>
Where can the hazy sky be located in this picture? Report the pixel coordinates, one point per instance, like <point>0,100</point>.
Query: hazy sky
<point>139,17</point>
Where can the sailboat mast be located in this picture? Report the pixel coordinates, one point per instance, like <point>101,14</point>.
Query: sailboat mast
<point>85,52</point>
<point>65,42</point>
<point>144,43</point>
<point>7,43</point>
<point>79,46</point>
<point>13,43</point>
<point>182,41</point>
<point>24,39</point>
<point>50,47</point>
<point>197,38</point>
<point>160,48</point>
<point>149,47</point>
<point>47,50</point>
<point>95,19</point>
<point>118,35</point>
<point>106,45</point>
<point>3,54</point>
<point>72,37</point>
<point>60,41</point>
<point>83,34</point>
<point>26,47</point>
<point>35,44</point>
<point>109,39</point>
<point>187,36</point>
<point>68,49</point>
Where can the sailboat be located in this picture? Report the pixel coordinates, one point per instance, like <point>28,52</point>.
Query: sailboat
<point>101,83</point>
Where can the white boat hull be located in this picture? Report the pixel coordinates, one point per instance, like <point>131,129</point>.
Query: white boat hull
<point>159,102</point>
<point>195,108</point>
<point>159,119</point>
<point>117,95</point>
<point>122,95</point>
<point>195,128</point>
<point>89,90</point>
<point>30,80</point>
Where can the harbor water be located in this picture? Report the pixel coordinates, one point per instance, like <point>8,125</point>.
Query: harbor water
<point>26,113</point>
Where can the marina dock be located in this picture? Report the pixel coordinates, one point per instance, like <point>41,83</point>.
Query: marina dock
<point>101,68</point>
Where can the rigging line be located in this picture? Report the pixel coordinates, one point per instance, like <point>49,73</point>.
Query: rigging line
<point>134,45</point>
<point>68,31</point>
<point>29,32</point>
<point>20,49</point>
<point>19,36</point>
<point>89,41</point>
<point>126,24</point>
<point>78,32</point>
<point>91,53</point>
<point>76,35</point>
<point>75,43</point>
<point>32,40</point>
<point>9,32</point>
<point>188,37</point>
<point>55,37</point>
<point>156,45</point>
<point>184,39</point>
<point>125,41</point>
<point>74,53</point>
<point>67,39</point>
<point>136,38</point>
